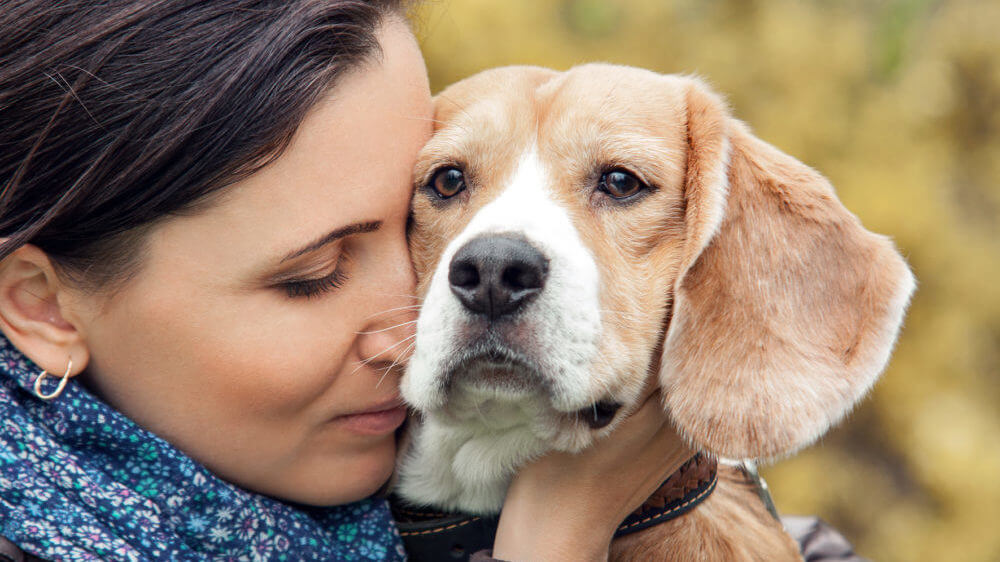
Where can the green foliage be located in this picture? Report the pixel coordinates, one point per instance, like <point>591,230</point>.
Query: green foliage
<point>898,103</point>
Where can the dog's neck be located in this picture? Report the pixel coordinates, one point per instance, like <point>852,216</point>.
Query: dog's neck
<point>426,530</point>
<point>681,492</point>
<point>468,467</point>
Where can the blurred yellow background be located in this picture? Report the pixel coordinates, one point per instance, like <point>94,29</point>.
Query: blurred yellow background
<point>898,103</point>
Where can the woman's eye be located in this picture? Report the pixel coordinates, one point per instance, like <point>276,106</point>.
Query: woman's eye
<point>307,288</point>
<point>314,287</point>
<point>448,182</point>
<point>620,184</point>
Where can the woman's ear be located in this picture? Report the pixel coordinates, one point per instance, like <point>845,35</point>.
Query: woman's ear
<point>785,308</point>
<point>35,314</point>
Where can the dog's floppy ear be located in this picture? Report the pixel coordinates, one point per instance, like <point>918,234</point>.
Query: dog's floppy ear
<point>785,308</point>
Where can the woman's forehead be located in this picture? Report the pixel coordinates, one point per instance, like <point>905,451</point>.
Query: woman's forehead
<point>350,161</point>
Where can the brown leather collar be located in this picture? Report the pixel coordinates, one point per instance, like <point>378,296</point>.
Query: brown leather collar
<point>681,492</point>
<point>427,530</point>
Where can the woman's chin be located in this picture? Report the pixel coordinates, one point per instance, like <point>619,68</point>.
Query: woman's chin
<point>343,480</point>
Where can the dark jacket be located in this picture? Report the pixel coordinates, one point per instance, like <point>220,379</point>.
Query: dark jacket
<point>470,538</point>
<point>455,541</point>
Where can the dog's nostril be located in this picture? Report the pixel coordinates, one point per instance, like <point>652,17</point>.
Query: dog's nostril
<point>522,276</point>
<point>464,275</point>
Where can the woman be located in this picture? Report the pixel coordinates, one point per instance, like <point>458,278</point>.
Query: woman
<point>205,289</point>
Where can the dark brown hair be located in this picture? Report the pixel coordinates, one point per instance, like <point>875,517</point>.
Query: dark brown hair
<point>118,113</point>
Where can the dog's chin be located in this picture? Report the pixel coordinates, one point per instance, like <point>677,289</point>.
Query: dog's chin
<point>492,367</point>
<point>487,384</point>
<point>489,380</point>
<point>497,379</point>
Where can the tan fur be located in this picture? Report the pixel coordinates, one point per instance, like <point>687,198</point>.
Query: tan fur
<point>787,317</point>
<point>731,524</point>
<point>433,229</point>
<point>775,309</point>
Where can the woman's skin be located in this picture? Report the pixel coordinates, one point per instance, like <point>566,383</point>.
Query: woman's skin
<point>215,346</point>
<point>254,337</point>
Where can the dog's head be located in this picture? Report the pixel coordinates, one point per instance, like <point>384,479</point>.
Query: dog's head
<point>575,231</point>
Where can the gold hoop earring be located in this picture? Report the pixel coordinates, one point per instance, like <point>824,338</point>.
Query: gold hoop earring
<point>59,389</point>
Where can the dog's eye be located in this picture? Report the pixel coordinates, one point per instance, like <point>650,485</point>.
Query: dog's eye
<point>620,184</point>
<point>448,182</point>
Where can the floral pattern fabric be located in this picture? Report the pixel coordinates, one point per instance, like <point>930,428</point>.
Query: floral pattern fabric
<point>80,481</point>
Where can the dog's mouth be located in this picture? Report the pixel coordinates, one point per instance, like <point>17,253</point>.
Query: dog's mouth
<point>599,414</point>
<point>490,368</point>
<point>495,368</point>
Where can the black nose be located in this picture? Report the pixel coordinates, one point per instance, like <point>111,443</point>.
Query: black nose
<point>495,275</point>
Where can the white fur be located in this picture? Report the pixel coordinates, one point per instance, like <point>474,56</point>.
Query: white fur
<point>471,440</point>
<point>565,318</point>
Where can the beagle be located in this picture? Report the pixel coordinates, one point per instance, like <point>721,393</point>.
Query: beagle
<point>572,230</point>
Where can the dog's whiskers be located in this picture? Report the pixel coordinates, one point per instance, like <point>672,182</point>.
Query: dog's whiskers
<point>404,295</point>
<point>413,307</point>
<point>482,416</point>
<point>384,351</point>
<point>386,329</point>
<point>604,383</point>
<point>389,369</point>
<point>457,105</point>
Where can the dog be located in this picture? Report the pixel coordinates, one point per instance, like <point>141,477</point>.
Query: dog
<point>572,231</point>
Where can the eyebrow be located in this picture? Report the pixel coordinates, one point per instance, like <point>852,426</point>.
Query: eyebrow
<point>333,235</point>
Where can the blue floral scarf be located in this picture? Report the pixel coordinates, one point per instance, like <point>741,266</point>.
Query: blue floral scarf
<point>80,481</point>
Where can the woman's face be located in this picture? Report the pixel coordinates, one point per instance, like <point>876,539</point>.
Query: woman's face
<point>257,333</point>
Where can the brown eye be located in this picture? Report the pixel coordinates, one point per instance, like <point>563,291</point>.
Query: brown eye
<point>448,182</point>
<point>620,184</point>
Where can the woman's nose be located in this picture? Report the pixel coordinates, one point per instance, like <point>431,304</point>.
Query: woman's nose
<point>389,332</point>
<point>388,341</point>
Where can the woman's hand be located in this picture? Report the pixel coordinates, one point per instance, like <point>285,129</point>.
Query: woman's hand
<point>567,506</point>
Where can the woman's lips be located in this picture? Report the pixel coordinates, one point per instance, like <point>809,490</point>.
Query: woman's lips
<point>377,421</point>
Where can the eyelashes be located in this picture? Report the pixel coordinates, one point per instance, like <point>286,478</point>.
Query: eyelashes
<point>309,288</point>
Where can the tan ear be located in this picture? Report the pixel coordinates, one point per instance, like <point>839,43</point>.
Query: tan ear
<point>785,310</point>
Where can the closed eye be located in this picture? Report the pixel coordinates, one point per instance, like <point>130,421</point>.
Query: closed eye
<point>314,287</point>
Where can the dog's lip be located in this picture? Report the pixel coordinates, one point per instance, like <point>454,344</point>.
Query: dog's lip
<point>487,361</point>
<point>600,413</point>
<point>508,365</point>
<point>494,356</point>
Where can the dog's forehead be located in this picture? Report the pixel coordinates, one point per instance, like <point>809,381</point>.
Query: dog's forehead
<point>526,102</point>
<point>590,116</point>
<point>612,96</point>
